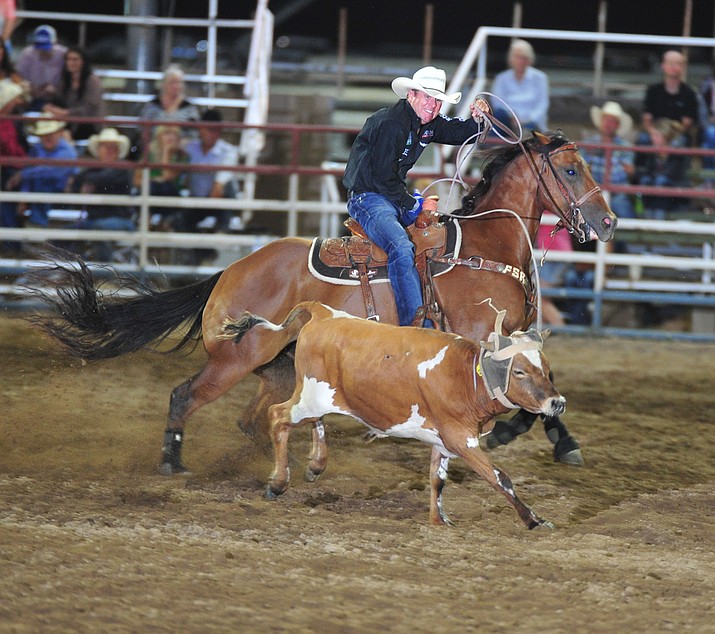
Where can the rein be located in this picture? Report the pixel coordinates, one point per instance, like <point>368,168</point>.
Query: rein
<point>568,217</point>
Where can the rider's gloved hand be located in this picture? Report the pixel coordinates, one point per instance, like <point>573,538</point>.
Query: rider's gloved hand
<point>409,216</point>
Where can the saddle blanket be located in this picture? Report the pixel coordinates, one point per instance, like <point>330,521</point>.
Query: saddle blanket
<point>348,274</point>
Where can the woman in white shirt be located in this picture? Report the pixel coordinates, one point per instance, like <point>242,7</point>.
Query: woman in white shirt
<point>524,88</point>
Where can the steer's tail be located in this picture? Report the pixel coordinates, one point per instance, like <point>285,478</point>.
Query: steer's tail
<point>94,324</point>
<point>267,339</point>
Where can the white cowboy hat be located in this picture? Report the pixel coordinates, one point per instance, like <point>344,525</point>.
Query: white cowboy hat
<point>9,90</point>
<point>109,135</point>
<point>615,110</point>
<point>429,79</point>
<point>44,125</point>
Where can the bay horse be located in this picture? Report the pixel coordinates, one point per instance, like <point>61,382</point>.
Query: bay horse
<point>518,181</point>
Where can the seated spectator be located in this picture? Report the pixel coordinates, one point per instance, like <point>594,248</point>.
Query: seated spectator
<point>171,103</point>
<point>45,178</point>
<point>524,88</point>
<point>12,143</point>
<point>41,65</point>
<point>663,169</point>
<point>80,93</point>
<point>552,274</point>
<point>669,118</point>
<point>109,147</point>
<point>613,124</point>
<point>211,149</point>
<point>166,181</point>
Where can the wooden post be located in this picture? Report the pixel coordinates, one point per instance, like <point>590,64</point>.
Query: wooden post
<point>342,47</point>
<point>598,90</point>
<point>687,25</point>
<point>429,30</point>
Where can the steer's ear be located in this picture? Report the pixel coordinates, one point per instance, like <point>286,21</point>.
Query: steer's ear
<point>545,334</point>
<point>488,345</point>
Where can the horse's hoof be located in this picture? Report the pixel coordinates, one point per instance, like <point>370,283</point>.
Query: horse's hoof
<point>574,458</point>
<point>270,494</point>
<point>488,441</point>
<point>312,476</point>
<point>567,451</point>
<point>541,523</point>
<point>167,469</point>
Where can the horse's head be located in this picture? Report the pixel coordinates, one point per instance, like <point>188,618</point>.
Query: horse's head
<point>567,188</point>
<point>560,181</point>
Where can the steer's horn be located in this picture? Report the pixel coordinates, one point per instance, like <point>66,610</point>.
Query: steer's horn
<point>489,346</point>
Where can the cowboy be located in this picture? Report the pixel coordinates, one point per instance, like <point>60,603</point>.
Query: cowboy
<point>48,177</point>
<point>109,147</point>
<point>388,145</point>
<point>614,127</point>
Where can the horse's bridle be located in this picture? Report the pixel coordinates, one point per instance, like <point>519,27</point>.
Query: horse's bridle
<point>569,217</point>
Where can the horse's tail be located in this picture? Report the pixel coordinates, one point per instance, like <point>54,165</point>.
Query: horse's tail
<point>269,339</point>
<point>94,325</point>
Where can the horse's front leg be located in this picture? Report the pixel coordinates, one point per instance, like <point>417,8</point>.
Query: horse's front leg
<point>318,458</point>
<point>439,464</point>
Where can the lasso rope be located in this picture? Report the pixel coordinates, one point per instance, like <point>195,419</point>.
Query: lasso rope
<point>509,137</point>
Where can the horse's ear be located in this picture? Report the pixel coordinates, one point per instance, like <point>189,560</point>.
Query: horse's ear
<point>489,346</point>
<point>542,138</point>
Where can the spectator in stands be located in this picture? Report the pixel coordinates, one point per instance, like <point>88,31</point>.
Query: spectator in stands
<point>81,93</point>
<point>8,22</point>
<point>41,65</point>
<point>12,143</point>
<point>211,149</point>
<point>613,125</point>
<point>671,99</point>
<point>165,148</point>
<point>669,118</point>
<point>46,178</point>
<point>109,147</point>
<point>171,103</point>
<point>524,88</point>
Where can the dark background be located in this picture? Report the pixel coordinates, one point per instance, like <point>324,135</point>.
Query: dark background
<point>401,22</point>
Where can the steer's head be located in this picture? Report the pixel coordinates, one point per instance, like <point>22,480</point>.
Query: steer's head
<point>517,374</point>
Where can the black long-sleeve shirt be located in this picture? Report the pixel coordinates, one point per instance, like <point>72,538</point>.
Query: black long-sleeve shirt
<point>390,143</point>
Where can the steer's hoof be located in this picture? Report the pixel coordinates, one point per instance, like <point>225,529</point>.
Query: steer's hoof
<point>541,523</point>
<point>270,494</point>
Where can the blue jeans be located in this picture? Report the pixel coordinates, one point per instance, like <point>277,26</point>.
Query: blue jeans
<point>380,220</point>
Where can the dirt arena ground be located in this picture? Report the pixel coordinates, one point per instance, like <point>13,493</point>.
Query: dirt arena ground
<point>92,539</point>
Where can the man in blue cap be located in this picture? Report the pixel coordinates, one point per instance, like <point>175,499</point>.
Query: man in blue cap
<point>41,65</point>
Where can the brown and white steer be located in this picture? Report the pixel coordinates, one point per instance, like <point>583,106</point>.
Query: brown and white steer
<point>403,382</point>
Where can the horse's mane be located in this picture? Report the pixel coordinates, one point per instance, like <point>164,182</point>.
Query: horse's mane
<point>495,160</point>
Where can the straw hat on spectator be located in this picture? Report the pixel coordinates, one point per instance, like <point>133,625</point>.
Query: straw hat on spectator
<point>9,91</point>
<point>614,109</point>
<point>45,125</point>
<point>109,135</point>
